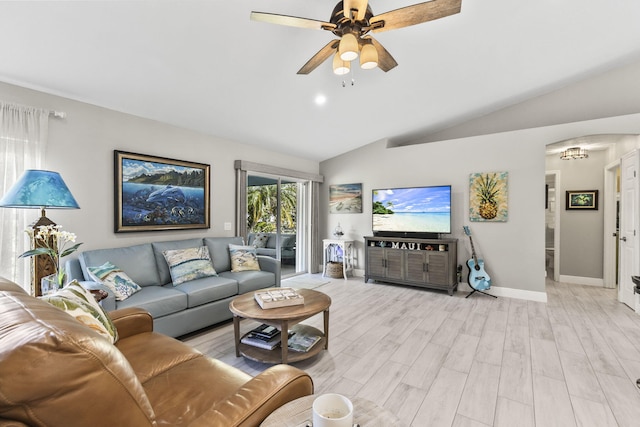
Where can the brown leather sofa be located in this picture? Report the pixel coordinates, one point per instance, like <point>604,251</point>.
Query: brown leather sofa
<point>55,371</point>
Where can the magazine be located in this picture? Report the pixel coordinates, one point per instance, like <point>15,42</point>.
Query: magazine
<point>302,343</point>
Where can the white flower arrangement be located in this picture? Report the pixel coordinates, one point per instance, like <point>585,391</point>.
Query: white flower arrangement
<point>53,243</point>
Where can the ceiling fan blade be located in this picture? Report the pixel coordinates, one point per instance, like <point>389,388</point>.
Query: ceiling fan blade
<point>322,55</point>
<point>292,21</point>
<point>385,60</point>
<point>355,5</point>
<point>416,14</point>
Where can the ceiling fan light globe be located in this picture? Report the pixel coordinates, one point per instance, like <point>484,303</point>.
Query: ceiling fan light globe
<point>340,67</point>
<point>348,48</point>
<point>368,57</point>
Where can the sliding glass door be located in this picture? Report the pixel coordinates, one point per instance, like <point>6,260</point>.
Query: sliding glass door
<point>273,212</point>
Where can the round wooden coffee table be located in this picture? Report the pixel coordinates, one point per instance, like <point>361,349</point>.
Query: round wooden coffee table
<point>298,413</point>
<point>285,319</point>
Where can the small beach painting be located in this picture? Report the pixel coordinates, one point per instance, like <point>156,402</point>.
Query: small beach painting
<point>345,198</point>
<point>155,193</point>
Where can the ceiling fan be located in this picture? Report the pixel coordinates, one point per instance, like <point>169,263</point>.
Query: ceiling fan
<point>351,21</point>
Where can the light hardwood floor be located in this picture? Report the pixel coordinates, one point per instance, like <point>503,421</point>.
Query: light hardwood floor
<point>436,360</point>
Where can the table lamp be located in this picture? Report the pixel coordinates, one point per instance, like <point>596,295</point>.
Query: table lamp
<point>39,189</point>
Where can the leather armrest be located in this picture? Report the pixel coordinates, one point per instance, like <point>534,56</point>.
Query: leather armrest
<point>258,398</point>
<point>131,321</point>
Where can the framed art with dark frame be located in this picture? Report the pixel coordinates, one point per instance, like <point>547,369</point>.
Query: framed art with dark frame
<point>155,193</point>
<point>582,200</point>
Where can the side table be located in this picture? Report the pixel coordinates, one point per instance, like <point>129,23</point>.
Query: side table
<point>298,412</point>
<point>338,250</point>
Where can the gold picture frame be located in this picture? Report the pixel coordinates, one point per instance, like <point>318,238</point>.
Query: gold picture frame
<point>156,193</point>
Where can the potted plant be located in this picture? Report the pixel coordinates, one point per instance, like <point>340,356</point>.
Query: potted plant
<point>53,242</point>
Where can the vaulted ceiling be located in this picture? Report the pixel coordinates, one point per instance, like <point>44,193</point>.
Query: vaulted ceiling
<point>203,65</point>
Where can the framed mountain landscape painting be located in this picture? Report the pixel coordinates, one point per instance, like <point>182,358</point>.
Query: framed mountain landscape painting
<point>155,193</point>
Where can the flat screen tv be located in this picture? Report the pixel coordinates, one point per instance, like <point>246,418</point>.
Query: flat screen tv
<point>412,211</point>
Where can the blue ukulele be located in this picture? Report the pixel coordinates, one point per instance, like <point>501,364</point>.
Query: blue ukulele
<point>478,279</point>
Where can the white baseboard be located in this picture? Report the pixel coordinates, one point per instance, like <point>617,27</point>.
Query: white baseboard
<point>577,280</point>
<point>519,294</point>
<point>500,291</point>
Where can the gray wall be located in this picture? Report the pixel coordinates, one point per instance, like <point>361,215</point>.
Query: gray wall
<point>81,149</point>
<point>513,251</point>
<point>581,232</point>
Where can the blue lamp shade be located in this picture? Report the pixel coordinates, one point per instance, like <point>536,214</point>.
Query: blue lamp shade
<point>39,189</point>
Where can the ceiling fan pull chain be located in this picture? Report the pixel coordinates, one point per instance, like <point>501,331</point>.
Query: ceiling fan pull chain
<point>353,79</point>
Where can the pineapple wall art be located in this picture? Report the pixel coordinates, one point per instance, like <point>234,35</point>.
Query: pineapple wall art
<point>488,196</point>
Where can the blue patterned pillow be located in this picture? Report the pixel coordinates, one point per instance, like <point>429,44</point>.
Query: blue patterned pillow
<point>189,264</point>
<point>243,258</point>
<point>115,279</point>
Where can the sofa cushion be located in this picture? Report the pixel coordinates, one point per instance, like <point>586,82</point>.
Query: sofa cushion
<point>159,247</point>
<point>243,258</point>
<point>260,240</point>
<point>157,300</point>
<point>249,281</point>
<point>219,251</point>
<point>137,261</point>
<point>78,302</point>
<point>288,241</point>
<point>115,279</point>
<point>208,289</point>
<point>189,264</point>
<point>271,242</point>
<point>169,353</point>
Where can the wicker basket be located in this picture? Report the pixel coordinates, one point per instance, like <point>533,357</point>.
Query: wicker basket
<point>334,270</point>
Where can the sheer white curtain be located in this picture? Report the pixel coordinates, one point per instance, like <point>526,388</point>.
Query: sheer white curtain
<point>23,136</point>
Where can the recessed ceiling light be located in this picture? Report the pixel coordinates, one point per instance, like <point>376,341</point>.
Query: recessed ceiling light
<point>320,99</point>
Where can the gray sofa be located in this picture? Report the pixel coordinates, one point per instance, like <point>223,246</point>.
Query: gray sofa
<point>177,310</point>
<point>288,246</point>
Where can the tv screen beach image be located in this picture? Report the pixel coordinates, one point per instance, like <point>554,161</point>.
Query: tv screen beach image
<point>418,209</point>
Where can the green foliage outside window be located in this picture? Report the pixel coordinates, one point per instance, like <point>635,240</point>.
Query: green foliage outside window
<point>262,204</point>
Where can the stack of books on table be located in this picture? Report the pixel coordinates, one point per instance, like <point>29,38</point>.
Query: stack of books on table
<point>264,336</point>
